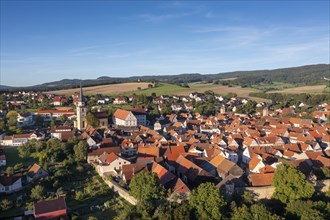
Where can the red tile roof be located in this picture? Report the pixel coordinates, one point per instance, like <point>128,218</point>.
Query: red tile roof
<point>110,158</point>
<point>163,174</point>
<point>261,179</point>
<point>49,206</point>
<point>121,114</point>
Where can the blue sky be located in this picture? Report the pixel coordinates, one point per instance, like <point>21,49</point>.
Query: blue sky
<point>43,41</point>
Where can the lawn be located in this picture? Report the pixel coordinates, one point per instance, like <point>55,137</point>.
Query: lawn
<point>13,158</point>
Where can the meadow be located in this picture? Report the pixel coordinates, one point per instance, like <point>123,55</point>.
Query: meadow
<point>141,88</point>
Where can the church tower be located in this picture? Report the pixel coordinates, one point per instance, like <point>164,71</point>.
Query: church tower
<point>81,111</point>
<point>265,111</point>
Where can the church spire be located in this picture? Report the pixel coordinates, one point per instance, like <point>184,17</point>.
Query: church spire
<point>81,94</point>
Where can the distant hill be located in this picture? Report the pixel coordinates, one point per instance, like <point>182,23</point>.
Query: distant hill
<point>303,75</point>
<point>4,87</point>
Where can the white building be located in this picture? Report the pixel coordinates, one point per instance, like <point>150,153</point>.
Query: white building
<point>9,184</point>
<point>111,163</point>
<point>25,119</point>
<point>20,139</point>
<point>124,118</point>
<point>129,118</point>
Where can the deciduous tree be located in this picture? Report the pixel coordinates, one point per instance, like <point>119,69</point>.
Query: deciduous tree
<point>92,120</point>
<point>207,201</point>
<point>291,184</point>
<point>37,192</point>
<point>80,151</point>
<point>145,186</point>
<point>256,211</point>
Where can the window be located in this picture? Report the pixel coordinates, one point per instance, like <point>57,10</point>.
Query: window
<point>119,163</point>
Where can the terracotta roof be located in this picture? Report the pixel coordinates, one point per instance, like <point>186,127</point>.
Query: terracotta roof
<point>261,179</point>
<point>225,166</point>
<point>110,158</point>
<point>129,170</point>
<point>121,114</point>
<point>22,135</point>
<point>56,111</point>
<point>267,169</point>
<point>44,207</point>
<point>163,174</point>
<point>293,147</point>
<point>254,162</point>
<point>326,138</point>
<point>98,152</point>
<point>288,153</point>
<point>33,170</point>
<point>149,151</point>
<point>188,168</point>
<point>178,186</point>
<point>216,161</point>
<point>7,138</point>
<point>323,161</point>
<point>173,152</point>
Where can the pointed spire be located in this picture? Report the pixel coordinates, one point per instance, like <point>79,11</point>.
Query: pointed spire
<point>81,94</point>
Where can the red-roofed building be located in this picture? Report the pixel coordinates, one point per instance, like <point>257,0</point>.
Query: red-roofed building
<point>54,113</point>
<point>124,118</point>
<point>51,209</point>
<point>261,179</point>
<point>59,100</point>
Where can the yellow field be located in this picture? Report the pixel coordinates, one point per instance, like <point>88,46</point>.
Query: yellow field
<point>303,89</point>
<point>105,89</point>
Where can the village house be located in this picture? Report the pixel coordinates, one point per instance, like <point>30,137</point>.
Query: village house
<point>119,101</point>
<point>35,172</point>
<point>25,120</point>
<point>131,118</point>
<point>63,133</point>
<point>9,184</point>
<point>59,100</point>
<point>111,164</point>
<point>54,113</point>
<point>20,139</point>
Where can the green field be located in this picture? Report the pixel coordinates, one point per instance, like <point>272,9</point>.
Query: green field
<point>171,89</point>
<point>327,89</point>
<point>162,89</point>
<point>13,158</point>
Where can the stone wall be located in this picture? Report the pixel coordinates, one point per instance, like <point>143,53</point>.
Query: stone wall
<point>322,185</point>
<point>117,188</point>
<point>266,192</point>
<point>121,191</point>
